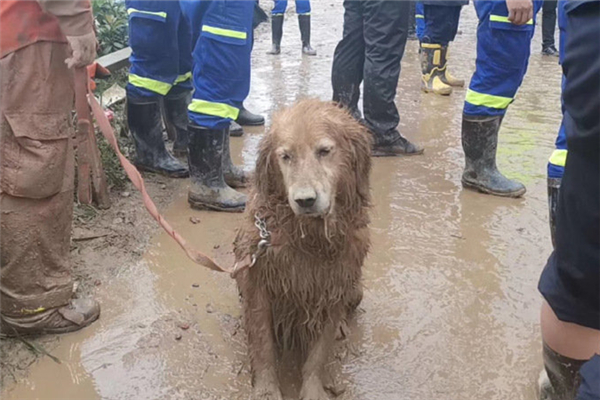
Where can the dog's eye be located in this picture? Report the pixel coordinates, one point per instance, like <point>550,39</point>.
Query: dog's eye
<point>286,157</point>
<point>324,152</point>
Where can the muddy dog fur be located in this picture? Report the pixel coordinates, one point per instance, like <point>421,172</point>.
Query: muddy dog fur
<point>309,281</point>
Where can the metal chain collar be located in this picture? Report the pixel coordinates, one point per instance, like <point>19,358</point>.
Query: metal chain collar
<point>265,238</point>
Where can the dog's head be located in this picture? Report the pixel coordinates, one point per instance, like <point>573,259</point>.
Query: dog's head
<point>315,156</point>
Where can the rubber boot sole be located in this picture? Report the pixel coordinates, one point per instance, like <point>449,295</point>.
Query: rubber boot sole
<point>214,207</point>
<point>250,124</point>
<point>483,189</point>
<point>180,174</point>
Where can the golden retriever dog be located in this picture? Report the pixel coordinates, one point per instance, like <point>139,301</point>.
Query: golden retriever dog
<point>311,193</point>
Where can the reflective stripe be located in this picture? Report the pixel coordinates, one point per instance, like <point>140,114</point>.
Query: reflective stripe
<point>215,109</point>
<point>420,16</point>
<point>558,157</point>
<point>500,18</point>
<point>150,84</point>
<point>308,13</point>
<point>487,100</point>
<point>277,14</point>
<point>224,32</point>
<point>157,13</point>
<point>183,78</point>
<point>431,46</point>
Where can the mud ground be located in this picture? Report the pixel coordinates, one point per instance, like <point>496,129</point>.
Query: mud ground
<point>451,306</point>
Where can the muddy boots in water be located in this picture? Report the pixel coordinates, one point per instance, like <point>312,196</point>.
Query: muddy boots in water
<point>553,186</point>
<point>277,33</point>
<point>176,121</point>
<point>246,118</point>
<point>206,157</point>
<point>560,378</point>
<point>304,24</point>
<point>145,124</point>
<point>480,142</point>
<point>435,77</point>
<point>394,144</point>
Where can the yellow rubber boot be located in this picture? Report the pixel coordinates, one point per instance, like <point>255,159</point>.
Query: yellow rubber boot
<point>447,78</point>
<point>433,70</point>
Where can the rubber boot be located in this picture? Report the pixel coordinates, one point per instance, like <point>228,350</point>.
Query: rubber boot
<point>560,380</point>
<point>394,144</point>
<point>480,142</point>
<point>176,117</point>
<point>249,119</point>
<point>447,78</point>
<point>277,32</point>
<point>208,189</point>
<point>234,176</point>
<point>433,70</point>
<point>304,24</point>
<point>553,186</point>
<point>145,124</point>
<point>235,129</point>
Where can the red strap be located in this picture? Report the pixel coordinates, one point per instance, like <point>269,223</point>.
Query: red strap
<point>138,182</point>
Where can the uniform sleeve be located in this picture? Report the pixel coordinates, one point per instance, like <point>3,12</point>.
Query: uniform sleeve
<point>74,16</point>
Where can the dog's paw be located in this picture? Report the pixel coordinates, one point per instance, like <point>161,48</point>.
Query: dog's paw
<point>267,393</point>
<point>313,389</point>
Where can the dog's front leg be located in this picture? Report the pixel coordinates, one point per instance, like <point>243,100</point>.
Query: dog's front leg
<point>312,385</point>
<point>261,344</point>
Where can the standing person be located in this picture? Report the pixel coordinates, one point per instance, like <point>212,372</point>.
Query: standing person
<point>40,41</point>
<point>160,71</point>
<point>222,43</point>
<point>503,46</point>
<point>371,50</point>
<point>277,16</point>
<point>420,20</point>
<point>412,23</point>
<point>548,27</point>
<point>570,282</point>
<point>441,24</point>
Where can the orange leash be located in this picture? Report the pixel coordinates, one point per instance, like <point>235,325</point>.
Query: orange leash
<point>98,112</point>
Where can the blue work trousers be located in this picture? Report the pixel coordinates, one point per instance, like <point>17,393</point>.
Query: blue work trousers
<point>441,23</point>
<point>302,7</point>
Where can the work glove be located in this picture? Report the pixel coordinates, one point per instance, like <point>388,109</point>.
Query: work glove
<point>519,11</point>
<point>83,50</point>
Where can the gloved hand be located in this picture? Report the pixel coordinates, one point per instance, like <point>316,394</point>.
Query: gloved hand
<point>83,50</point>
<point>519,11</point>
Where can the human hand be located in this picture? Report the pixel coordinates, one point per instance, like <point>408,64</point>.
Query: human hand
<point>83,50</point>
<point>519,11</point>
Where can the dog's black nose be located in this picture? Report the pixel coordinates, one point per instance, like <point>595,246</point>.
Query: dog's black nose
<point>306,202</point>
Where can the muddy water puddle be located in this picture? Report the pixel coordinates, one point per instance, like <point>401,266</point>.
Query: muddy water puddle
<point>450,308</point>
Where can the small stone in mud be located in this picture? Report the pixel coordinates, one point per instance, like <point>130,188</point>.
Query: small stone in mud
<point>195,305</point>
<point>335,390</point>
<point>194,220</point>
<point>163,186</point>
<point>125,194</point>
<point>209,308</point>
<point>178,336</point>
<point>196,285</point>
<point>184,327</point>
<point>97,282</point>
<point>117,221</point>
<point>216,246</point>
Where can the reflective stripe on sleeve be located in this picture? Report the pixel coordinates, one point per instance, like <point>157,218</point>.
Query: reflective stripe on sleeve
<point>487,100</point>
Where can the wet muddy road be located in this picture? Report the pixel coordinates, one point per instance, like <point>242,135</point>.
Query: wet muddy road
<point>450,308</point>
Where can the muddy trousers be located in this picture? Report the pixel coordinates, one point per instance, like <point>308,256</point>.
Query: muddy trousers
<point>36,182</point>
<point>441,23</point>
<point>375,33</point>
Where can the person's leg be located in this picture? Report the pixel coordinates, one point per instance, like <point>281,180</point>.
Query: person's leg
<point>570,282</point>
<point>548,27</point>
<point>221,82</point>
<point>385,33</point>
<point>303,11</point>
<point>277,16</point>
<point>412,27</point>
<point>420,20</point>
<point>153,37</point>
<point>36,193</point>
<point>349,59</point>
<point>499,72</point>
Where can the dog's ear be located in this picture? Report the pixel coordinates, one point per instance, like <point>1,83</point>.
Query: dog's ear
<point>361,144</point>
<point>267,170</point>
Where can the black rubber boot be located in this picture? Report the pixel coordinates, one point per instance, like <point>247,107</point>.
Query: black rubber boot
<point>561,379</point>
<point>247,118</point>
<point>394,144</point>
<point>176,117</point>
<point>304,24</point>
<point>553,186</point>
<point>277,32</point>
<point>145,124</point>
<point>208,189</point>
<point>480,142</point>
<point>234,175</point>
<point>235,129</point>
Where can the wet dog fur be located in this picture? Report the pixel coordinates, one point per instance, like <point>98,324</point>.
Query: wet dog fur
<point>306,284</point>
